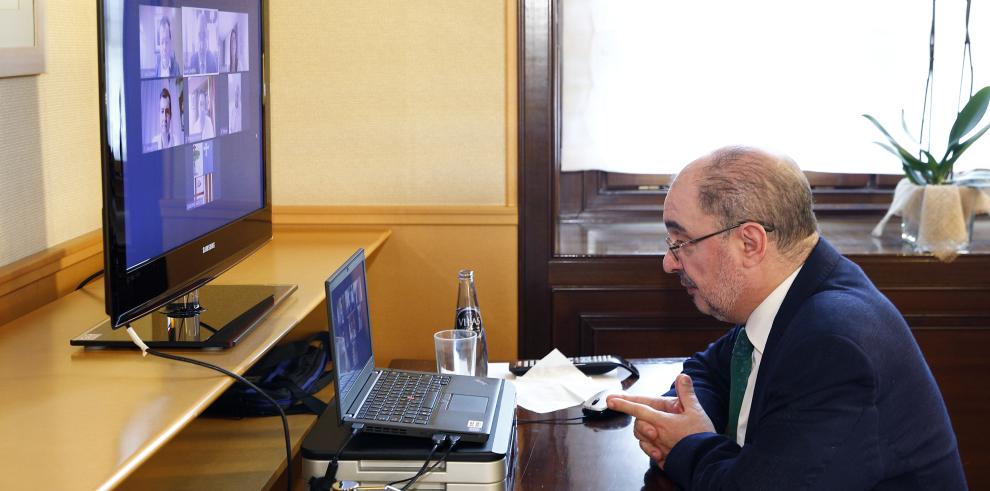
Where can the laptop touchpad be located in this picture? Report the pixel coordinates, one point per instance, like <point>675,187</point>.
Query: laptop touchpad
<point>460,402</point>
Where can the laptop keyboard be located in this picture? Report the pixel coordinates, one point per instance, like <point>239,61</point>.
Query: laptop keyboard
<point>402,397</point>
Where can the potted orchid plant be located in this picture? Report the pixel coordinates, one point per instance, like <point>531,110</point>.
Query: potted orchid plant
<point>925,168</point>
<point>935,205</point>
<point>936,214</point>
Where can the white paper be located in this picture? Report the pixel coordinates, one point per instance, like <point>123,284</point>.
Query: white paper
<point>554,383</point>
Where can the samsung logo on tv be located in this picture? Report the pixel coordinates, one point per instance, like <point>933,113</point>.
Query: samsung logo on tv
<point>209,247</point>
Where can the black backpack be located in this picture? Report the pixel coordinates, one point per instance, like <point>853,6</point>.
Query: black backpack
<point>290,373</point>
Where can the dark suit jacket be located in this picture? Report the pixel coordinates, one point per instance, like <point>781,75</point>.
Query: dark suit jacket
<point>210,62</point>
<point>843,399</point>
<point>173,70</point>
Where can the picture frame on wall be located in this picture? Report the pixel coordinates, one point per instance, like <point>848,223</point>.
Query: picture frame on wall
<point>22,37</point>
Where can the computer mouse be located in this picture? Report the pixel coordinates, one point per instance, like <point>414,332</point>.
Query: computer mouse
<point>597,408</point>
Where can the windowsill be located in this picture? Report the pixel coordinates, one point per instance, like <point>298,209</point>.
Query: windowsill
<point>644,236</point>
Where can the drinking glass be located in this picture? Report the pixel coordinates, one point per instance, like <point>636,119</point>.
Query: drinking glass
<point>456,351</point>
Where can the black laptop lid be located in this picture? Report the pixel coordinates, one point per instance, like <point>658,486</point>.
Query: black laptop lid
<point>350,330</point>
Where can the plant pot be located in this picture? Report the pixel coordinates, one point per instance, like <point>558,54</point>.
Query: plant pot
<point>938,218</point>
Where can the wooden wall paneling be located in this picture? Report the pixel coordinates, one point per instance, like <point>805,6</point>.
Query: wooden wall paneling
<point>958,359</point>
<point>601,196</point>
<point>538,165</point>
<point>646,336</point>
<point>933,301</point>
<point>610,270</point>
<point>413,284</point>
<point>571,194</point>
<point>41,278</point>
<point>889,270</point>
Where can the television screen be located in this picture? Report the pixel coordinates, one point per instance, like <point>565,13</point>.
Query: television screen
<point>193,98</point>
<point>186,191</point>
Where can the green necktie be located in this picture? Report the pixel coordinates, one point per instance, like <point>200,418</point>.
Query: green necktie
<point>739,367</point>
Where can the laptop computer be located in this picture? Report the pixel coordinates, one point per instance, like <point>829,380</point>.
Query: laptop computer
<point>397,402</point>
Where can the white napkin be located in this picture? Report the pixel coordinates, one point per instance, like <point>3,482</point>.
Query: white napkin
<point>555,383</point>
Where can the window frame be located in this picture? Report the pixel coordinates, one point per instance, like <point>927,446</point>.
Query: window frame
<point>541,186</point>
<point>594,194</point>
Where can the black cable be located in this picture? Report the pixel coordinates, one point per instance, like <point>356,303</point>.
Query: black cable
<point>88,279</point>
<point>285,422</point>
<point>438,440</point>
<point>576,420</point>
<point>207,327</point>
<point>967,50</point>
<point>331,474</point>
<point>443,458</point>
<point>560,423</point>
<point>929,83</point>
<point>453,442</point>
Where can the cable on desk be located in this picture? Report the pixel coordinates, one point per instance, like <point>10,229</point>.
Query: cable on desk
<point>324,483</point>
<point>454,439</point>
<point>88,279</point>
<point>568,421</point>
<point>285,422</point>
<point>453,442</point>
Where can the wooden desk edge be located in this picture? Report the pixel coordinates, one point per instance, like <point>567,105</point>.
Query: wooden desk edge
<point>169,468</point>
<point>371,239</point>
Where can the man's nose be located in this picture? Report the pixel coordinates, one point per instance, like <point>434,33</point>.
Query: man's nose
<point>670,263</point>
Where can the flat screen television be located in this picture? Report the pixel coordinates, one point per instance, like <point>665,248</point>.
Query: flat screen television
<point>186,169</point>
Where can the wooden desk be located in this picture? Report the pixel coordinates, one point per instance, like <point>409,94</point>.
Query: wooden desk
<point>76,419</point>
<point>594,455</point>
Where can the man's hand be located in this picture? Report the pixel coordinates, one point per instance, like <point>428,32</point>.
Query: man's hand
<point>664,421</point>
<point>645,432</point>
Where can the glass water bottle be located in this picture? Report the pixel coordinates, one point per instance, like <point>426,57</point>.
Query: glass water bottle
<point>469,317</point>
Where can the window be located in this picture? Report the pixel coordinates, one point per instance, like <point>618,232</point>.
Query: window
<point>648,85</point>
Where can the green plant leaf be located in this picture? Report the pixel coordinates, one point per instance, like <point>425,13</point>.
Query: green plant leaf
<point>914,169</point>
<point>940,170</point>
<point>881,128</point>
<point>958,149</point>
<point>904,126</point>
<point>970,116</point>
<point>922,168</point>
<point>932,165</point>
<point>913,176</point>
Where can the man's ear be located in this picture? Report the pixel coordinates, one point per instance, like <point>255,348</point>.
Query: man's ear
<point>754,243</point>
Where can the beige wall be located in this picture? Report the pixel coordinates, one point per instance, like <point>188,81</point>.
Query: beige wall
<point>410,104</point>
<point>373,102</point>
<point>414,285</point>
<point>407,104</point>
<point>412,277</point>
<point>386,102</point>
<point>49,140</point>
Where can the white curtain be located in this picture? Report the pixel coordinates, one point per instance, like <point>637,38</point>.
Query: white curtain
<point>649,85</point>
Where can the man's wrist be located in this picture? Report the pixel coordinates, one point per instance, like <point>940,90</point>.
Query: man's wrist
<point>683,456</point>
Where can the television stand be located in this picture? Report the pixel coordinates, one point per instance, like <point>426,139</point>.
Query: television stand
<point>213,317</point>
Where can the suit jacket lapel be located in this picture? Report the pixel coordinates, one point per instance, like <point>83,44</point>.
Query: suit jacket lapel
<point>819,265</point>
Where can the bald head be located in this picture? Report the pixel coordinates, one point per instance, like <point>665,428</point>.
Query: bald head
<point>736,184</point>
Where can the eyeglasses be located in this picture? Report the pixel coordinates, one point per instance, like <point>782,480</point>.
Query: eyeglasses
<point>674,245</point>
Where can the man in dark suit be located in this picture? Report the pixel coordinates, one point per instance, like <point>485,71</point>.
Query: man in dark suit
<point>165,63</point>
<point>821,384</point>
<point>203,60</point>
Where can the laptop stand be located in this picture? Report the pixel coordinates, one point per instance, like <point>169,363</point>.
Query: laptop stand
<point>374,459</point>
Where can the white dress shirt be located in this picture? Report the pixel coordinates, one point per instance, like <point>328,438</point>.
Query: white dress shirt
<point>758,330</point>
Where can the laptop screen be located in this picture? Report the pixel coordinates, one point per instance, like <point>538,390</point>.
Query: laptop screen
<point>347,305</point>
